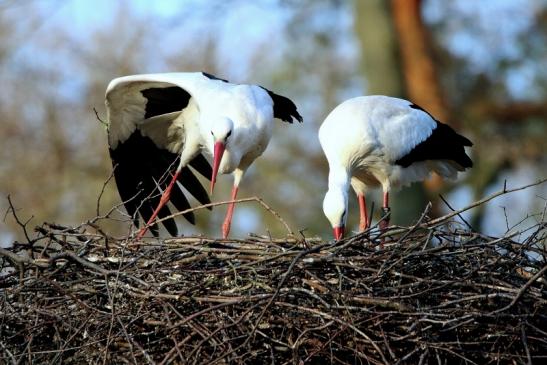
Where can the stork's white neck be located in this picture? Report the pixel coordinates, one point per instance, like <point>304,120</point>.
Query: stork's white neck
<point>339,178</point>
<point>335,203</point>
<point>230,160</point>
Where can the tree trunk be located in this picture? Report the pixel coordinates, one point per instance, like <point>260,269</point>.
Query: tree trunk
<point>382,69</point>
<point>379,50</point>
<point>420,75</point>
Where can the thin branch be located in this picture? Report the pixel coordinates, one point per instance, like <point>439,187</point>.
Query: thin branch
<point>237,201</point>
<point>459,215</point>
<point>105,124</point>
<point>98,210</point>
<point>522,290</point>
<point>482,201</point>
<point>21,224</point>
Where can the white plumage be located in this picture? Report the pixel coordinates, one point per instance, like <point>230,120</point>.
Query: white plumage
<point>160,124</point>
<point>380,141</point>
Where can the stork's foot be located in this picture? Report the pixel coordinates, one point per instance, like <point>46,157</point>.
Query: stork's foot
<point>386,214</point>
<point>363,225</point>
<point>226,229</point>
<point>384,224</point>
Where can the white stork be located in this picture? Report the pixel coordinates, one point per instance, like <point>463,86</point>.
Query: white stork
<point>372,141</point>
<point>159,126</point>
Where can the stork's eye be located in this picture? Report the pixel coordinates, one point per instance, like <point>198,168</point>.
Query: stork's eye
<point>229,133</point>
<point>212,134</point>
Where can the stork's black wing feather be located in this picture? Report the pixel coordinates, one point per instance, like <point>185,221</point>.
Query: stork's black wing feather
<point>202,166</point>
<point>283,107</point>
<point>139,167</point>
<point>178,199</point>
<point>194,187</point>
<point>213,77</point>
<point>144,168</point>
<point>443,144</point>
<point>163,100</point>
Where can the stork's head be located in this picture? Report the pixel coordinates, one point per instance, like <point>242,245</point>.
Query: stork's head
<point>335,207</point>
<point>221,131</point>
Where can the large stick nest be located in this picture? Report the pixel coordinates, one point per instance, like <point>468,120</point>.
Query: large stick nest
<point>434,293</point>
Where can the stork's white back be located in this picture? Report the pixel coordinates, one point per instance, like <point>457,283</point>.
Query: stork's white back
<point>384,124</point>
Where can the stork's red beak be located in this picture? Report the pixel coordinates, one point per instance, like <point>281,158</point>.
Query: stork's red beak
<point>217,157</point>
<point>338,232</point>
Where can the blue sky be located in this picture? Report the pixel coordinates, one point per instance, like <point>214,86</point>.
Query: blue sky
<point>243,24</point>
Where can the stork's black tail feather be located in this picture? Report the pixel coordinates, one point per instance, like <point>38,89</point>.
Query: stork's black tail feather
<point>443,144</point>
<point>284,108</point>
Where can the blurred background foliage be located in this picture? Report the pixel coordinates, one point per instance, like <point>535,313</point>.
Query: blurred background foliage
<point>480,66</point>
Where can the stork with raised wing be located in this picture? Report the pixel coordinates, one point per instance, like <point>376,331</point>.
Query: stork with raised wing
<point>159,125</point>
<point>381,141</point>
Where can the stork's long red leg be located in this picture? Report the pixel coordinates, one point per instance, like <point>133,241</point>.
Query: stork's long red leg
<point>228,219</point>
<point>385,213</point>
<point>386,210</point>
<point>363,214</point>
<point>163,200</point>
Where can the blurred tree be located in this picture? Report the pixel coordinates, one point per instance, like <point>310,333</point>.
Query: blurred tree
<point>381,63</point>
<point>417,63</point>
<point>451,56</point>
<point>496,80</point>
